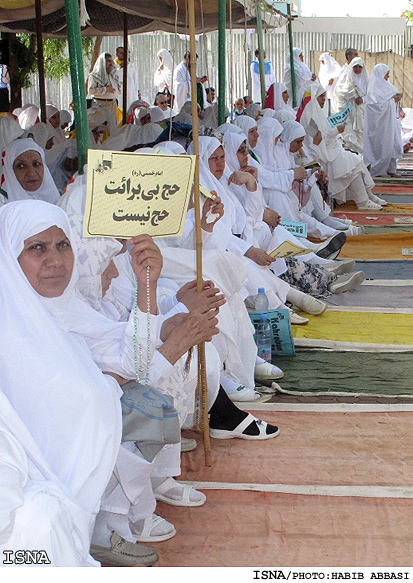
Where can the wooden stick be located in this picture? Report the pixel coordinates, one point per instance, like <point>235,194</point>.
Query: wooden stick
<point>125,68</point>
<point>195,137</point>
<point>40,60</point>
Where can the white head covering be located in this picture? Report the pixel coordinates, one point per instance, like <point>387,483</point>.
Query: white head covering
<point>164,77</point>
<point>284,115</point>
<point>48,373</point>
<point>300,68</point>
<point>232,143</point>
<point>149,133</point>
<point>380,89</point>
<point>42,133</point>
<point>65,117</point>
<point>94,253</point>
<point>28,117</point>
<point>210,116</point>
<point>229,127</point>
<point>245,123</point>
<point>174,147</point>
<point>139,114</point>
<point>268,113</point>
<point>124,137</point>
<point>157,114</point>
<point>329,69</point>
<point>269,129</point>
<point>101,76</point>
<point>292,130</point>
<point>47,191</point>
<point>253,110</point>
<point>9,130</point>
<point>348,80</point>
<point>59,136</point>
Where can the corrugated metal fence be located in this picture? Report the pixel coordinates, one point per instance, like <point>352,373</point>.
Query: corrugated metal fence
<point>240,47</point>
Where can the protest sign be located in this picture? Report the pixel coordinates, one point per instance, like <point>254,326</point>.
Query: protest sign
<point>129,194</point>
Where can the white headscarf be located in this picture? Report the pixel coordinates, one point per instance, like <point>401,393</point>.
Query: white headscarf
<point>232,142</point>
<point>245,123</point>
<point>101,77</point>
<point>157,114</point>
<point>380,89</point>
<point>292,130</point>
<point>28,117</point>
<point>253,110</point>
<point>42,133</point>
<point>284,115</point>
<point>164,77</point>
<point>65,117</point>
<point>70,408</point>
<point>269,129</point>
<point>59,136</point>
<point>172,146</point>
<point>300,68</point>
<point>229,127</point>
<point>47,191</point>
<point>348,82</point>
<point>9,130</point>
<point>124,137</point>
<point>94,253</point>
<point>329,69</point>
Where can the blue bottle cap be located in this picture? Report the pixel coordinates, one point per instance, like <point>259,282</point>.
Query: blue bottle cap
<point>263,316</point>
<point>261,290</point>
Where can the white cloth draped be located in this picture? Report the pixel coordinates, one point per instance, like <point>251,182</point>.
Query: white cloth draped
<point>302,73</point>
<point>348,88</point>
<point>163,77</point>
<point>69,407</point>
<point>37,510</point>
<point>329,71</point>
<point>269,79</point>
<point>381,120</point>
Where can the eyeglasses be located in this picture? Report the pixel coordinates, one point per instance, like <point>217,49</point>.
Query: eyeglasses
<point>162,102</point>
<point>242,149</point>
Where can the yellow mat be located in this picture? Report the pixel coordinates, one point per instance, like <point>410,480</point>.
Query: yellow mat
<point>386,246</point>
<point>361,327</point>
<point>392,209</point>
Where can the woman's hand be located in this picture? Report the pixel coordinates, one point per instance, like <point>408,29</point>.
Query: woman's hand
<point>271,218</point>
<point>398,97</point>
<point>318,138</point>
<point>259,256</point>
<point>240,178</point>
<point>145,253</point>
<point>252,170</point>
<point>209,298</point>
<point>216,207</point>
<point>359,100</point>
<point>341,128</point>
<point>300,173</point>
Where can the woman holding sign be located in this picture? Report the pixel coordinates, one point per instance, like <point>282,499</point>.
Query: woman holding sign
<point>382,119</point>
<point>348,177</point>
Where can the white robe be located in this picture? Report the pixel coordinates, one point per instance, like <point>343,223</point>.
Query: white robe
<point>381,120</point>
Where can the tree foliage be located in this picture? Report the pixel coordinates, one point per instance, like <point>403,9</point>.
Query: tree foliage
<point>55,53</point>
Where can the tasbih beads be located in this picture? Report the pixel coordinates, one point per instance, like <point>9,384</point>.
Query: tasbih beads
<point>139,368</point>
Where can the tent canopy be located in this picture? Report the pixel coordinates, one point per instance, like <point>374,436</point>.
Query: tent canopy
<point>105,17</point>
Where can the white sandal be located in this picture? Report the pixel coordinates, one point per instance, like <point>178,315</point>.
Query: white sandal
<point>239,430</point>
<point>265,371</point>
<point>161,491</point>
<point>149,524</point>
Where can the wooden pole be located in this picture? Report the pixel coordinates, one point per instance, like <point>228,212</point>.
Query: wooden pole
<point>40,60</point>
<point>125,68</point>
<point>290,42</point>
<point>221,60</point>
<point>261,52</point>
<point>195,137</point>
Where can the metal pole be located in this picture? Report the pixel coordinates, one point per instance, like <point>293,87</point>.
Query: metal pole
<point>261,52</point>
<point>40,60</point>
<point>195,137</point>
<point>78,80</point>
<point>290,40</point>
<point>221,60</point>
<point>125,68</point>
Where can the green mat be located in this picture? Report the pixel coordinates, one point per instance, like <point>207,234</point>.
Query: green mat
<point>382,230</point>
<point>318,372</point>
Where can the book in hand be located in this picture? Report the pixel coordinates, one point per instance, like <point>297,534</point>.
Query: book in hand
<point>288,249</point>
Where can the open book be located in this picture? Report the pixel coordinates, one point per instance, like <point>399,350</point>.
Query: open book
<point>288,249</point>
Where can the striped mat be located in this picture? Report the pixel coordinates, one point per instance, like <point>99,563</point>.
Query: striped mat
<point>360,330</point>
<point>369,219</point>
<point>350,207</point>
<point>388,246</point>
<point>319,372</point>
<point>392,269</point>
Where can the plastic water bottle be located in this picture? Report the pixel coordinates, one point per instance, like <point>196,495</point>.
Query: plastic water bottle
<point>264,338</point>
<point>261,301</point>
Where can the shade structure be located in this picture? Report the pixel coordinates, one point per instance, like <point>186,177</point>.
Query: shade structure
<point>105,17</point>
